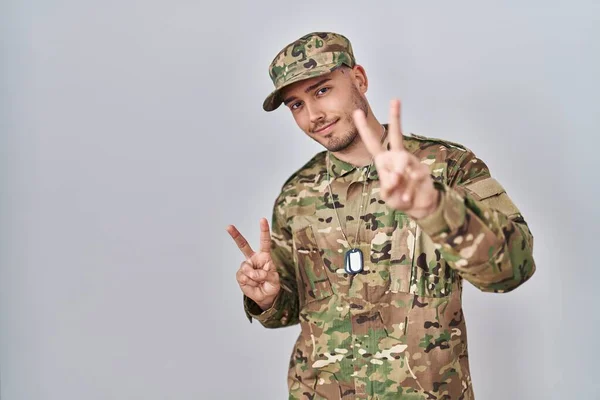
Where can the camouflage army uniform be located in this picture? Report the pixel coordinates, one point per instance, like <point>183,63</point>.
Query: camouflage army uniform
<point>397,329</point>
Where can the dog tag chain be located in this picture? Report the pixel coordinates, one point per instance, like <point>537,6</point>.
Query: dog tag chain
<point>354,259</point>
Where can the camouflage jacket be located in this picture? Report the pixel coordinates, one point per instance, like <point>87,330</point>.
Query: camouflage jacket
<point>397,329</point>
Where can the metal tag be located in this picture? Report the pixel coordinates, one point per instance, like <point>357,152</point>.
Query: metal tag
<point>354,261</point>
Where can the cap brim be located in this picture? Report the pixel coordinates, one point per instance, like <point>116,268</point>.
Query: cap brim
<point>274,100</point>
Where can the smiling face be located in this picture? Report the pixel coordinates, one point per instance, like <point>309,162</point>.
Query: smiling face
<point>322,106</point>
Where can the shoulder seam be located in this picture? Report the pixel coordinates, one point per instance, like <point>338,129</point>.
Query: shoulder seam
<point>295,173</point>
<point>446,142</point>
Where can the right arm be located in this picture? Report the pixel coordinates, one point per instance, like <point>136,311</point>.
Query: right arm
<point>285,309</point>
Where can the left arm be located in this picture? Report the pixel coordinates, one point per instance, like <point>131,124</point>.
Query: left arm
<point>478,229</point>
<point>470,218</point>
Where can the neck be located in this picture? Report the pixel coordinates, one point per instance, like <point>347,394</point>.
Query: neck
<point>357,153</point>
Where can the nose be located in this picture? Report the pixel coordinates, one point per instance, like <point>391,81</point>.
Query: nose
<point>315,113</point>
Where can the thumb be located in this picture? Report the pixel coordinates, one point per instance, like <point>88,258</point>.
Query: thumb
<point>272,278</point>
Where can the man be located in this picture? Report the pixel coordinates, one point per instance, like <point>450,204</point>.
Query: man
<point>372,239</point>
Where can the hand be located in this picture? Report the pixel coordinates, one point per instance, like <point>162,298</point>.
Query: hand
<point>406,183</point>
<point>257,276</point>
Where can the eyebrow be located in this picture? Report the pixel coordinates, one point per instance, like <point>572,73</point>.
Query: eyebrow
<point>308,89</point>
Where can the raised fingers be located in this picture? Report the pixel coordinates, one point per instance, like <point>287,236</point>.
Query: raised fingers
<point>265,236</point>
<point>371,139</point>
<point>240,241</point>
<point>395,126</point>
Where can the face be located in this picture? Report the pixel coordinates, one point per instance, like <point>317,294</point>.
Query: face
<point>323,106</point>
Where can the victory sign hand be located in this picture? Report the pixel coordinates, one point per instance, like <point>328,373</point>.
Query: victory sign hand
<point>406,183</point>
<point>257,275</point>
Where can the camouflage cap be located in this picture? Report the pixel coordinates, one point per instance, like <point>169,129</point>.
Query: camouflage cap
<point>314,54</point>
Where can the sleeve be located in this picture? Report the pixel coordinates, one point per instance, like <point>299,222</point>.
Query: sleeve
<point>285,308</point>
<point>478,229</point>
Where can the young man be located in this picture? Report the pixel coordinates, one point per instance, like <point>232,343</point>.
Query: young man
<point>372,239</point>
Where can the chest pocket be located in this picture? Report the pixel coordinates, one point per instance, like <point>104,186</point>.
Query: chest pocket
<point>311,273</point>
<point>402,253</point>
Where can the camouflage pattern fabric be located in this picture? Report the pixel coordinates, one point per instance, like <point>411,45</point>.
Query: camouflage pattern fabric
<point>314,54</point>
<point>396,330</point>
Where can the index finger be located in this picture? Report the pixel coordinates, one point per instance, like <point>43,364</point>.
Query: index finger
<point>241,241</point>
<point>370,138</point>
<point>395,127</point>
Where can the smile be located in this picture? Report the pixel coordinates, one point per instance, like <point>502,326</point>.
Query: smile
<point>326,128</point>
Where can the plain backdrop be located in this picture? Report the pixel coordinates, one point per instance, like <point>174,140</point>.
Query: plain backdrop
<point>132,134</point>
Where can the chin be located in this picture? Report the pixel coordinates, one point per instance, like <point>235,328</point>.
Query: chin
<point>335,147</point>
<point>335,144</point>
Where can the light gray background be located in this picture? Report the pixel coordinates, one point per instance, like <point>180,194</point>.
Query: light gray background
<point>132,134</point>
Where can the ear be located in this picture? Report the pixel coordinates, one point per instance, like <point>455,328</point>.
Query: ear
<point>359,76</point>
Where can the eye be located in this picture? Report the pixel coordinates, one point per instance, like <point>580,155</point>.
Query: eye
<point>322,91</point>
<point>294,106</point>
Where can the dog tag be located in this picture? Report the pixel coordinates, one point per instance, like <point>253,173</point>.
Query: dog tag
<point>354,261</point>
